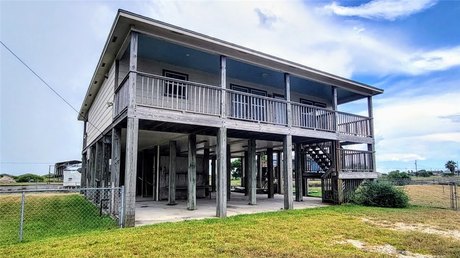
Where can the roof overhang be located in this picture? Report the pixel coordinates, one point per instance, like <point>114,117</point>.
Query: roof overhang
<point>126,21</point>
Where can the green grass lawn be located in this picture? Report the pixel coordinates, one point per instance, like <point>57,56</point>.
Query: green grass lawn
<point>319,232</point>
<point>49,215</point>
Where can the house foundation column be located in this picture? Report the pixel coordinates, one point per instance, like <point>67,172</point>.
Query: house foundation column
<point>191,175</point>
<point>287,147</point>
<point>221,196</point>
<point>246,173</point>
<point>132,131</point>
<point>271,188</point>
<point>252,171</point>
<point>172,173</point>
<point>213,174</point>
<point>116,157</point>
<point>229,172</point>
<point>206,169</point>
<point>298,174</point>
<point>84,169</point>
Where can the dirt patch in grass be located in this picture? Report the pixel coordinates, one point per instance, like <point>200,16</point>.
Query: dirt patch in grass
<point>400,226</point>
<point>383,249</point>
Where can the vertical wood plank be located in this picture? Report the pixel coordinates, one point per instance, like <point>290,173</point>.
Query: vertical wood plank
<point>221,197</point>
<point>298,173</point>
<point>172,173</point>
<point>252,171</point>
<point>191,175</point>
<point>132,131</point>
<point>287,147</point>
<point>271,188</point>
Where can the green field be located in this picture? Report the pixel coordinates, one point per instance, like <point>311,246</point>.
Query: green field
<point>49,215</point>
<point>335,231</point>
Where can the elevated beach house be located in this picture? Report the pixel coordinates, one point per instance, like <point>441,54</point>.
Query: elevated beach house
<point>168,108</point>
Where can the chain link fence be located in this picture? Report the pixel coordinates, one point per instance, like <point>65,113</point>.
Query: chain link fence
<point>36,214</point>
<point>437,193</point>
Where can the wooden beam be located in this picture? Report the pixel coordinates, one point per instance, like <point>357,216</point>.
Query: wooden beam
<point>287,147</point>
<point>132,67</point>
<point>191,175</point>
<point>132,131</point>
<point>271,188</point>
<point>221,196</point>
<point>206,168</point>
<point>223,85</point>
<point>287,93</point>
<point>84,170</point>
<point>229,172</point>
<point>298,174</point>
<point>252,172</point>
<point>99,163</point>
<point>116,157</point>
<point>281,180</point>
<point>371,146</point>
<point>259,170</point>
<point>157,173</point>
<point>246,173</point>
<point>172,173</point>
<point>213,174</point>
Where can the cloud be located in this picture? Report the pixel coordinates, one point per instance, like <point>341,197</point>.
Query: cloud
<point>382,9</point>
<point>297,31</point>
<point>400,157</point>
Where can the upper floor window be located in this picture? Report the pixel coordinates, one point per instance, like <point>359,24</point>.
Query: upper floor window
<point>313,103</point>
<point>173,88</point>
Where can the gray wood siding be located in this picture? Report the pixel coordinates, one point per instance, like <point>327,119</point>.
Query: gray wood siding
<point>100,114</point>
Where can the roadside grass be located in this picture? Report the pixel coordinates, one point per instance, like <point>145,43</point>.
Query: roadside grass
<point>319,232</point>
<point>437,196</point>
<point>49,215</point>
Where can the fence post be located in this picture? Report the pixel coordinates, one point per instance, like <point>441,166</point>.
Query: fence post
<point>122,207</point>
<point>21,222</point>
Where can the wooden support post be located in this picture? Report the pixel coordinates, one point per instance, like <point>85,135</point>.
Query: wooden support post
<point>298,174</point>
<point>259,170</point>
<point>221,196</point>
<point>252,171</point>
<point>132,131</point>
<point>132,68</point>
<point>223,85</point>
<point>157,173</point>
<point>371,147</point>
<point>206,169</point>
<point>116,157</point>
<point>213,174</point>
<point>246,173</point>
<point>172,173</point>
<point>229,172</point>
<point>191,175</point>
<point>84,170</point>
<point>242,171</point>
<point>287,147</point>
<point>334,106</point>
<point>271,188</point>
<point>106,154</point>
<point>281,169</point>
<point>90,176</point>
<point>99,163</point>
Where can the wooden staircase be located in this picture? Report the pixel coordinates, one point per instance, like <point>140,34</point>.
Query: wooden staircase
<point>320,154</point>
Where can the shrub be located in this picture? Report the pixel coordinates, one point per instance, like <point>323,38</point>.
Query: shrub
<point>29,178</point>
<point>381,194</point>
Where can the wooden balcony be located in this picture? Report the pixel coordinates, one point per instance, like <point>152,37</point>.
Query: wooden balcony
<point>192,97</point>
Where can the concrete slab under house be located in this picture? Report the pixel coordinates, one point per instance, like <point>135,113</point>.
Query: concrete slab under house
<point>168,109</point>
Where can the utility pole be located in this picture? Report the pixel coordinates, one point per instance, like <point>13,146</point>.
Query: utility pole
<point>416,168</point>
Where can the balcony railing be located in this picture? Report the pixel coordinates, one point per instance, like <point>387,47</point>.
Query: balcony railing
<point>357,160</point>
<point>252,107</point>
<point>168,93</point>
<point>121,96</point>
<point>353,124</point>
<point>312,117</point>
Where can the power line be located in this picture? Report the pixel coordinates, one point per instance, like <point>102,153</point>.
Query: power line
<point>44,82</point>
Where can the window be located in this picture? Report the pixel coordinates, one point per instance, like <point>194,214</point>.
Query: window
<point>246,107</point>
<point>313,103</point>
<point>175,89</point>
